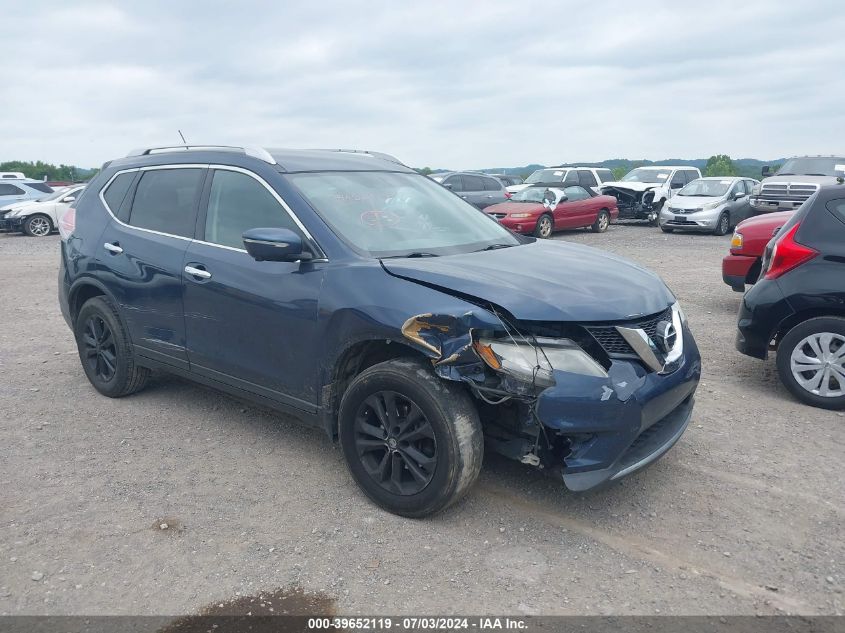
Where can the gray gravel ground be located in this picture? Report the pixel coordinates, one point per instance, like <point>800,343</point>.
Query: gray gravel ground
<point>744,516</point>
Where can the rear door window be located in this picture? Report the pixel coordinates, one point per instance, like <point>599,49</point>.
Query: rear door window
<point>43,187</point>
<point>491,184</point>
<point>586,179</point>
<point>472,183</point>
<point>165,201</point>
<point>238,202</point>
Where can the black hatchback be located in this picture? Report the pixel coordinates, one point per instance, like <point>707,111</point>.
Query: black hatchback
<point>798,306</point>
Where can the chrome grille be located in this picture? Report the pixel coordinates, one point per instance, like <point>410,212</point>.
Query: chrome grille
<point>612,342</point>
<point>787,191</point>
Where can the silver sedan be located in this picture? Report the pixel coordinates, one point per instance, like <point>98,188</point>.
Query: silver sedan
<point>713,205</point>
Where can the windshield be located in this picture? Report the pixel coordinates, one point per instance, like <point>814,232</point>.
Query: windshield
<point>546,175</point>
<point>532,194</point>
<point>812,167</point>
<point>58,193</point>
<point>385,214</point>
<point>647,175</point>
<point>706,188</point>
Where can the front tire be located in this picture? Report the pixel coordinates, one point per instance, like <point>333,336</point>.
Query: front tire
<point>811,362</point>
<point>412,441</point>
<point>544,227</point>
<point>666,229</point>
<point>38,225</point>
<point>601,223</point>
<point>105,350</point>
<point>723,225</point>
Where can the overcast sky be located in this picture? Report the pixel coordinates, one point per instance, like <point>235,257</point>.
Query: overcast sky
<point>460,85</point>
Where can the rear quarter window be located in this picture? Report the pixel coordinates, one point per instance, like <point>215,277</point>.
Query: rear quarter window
<point>115,192</point>
<point>491,184</point>
<point>837,207</point>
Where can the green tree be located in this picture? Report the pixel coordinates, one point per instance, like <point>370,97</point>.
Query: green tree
<point>720,165</point>
<point>40,170</point>
<point>425,171</point>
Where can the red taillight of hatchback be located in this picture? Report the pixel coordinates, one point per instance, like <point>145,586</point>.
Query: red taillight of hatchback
<point>67,223</point>
<point>788,254</point>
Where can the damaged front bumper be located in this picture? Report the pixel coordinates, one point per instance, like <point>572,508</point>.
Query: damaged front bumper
<point>616,426</point>
<point>634,205</point>
<point>588,429</point>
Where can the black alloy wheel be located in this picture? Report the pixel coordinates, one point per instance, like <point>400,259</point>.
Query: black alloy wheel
<point>100,350</point>
<point>395,443</point>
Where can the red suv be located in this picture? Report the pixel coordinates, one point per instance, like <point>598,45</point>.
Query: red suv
<point>742,265</point>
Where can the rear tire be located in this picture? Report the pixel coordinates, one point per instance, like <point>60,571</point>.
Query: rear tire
<point>723,225</point>
<point>601,223</point>
<point>797,356</point>
<point>545,227</point>
<point>38,225</point>
<point>412,441</point>
<point>105,350</point>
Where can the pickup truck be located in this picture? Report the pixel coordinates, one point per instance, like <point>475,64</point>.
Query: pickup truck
<point>796,180</point>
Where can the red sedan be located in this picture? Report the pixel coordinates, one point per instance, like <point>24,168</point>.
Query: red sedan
<point>542,210</point>
<point>742,266</point>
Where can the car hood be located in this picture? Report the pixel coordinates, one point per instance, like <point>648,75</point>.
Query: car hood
<point>515,188</point>
<point>17,205</point>
<point>766,222</point>
<point>632,186</point>
<point>514,207</point>
<point>544,281</point>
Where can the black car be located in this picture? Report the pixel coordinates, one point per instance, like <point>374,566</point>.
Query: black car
<point>355,294</point>
<point>798,305</point>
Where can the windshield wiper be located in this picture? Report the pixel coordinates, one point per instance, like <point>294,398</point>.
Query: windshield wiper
<point>414,254</point>
<point>494,247</point>
<point>815,174</point>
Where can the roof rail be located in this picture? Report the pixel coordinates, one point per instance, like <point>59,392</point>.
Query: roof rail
<point>381,155</point>
<point>256,152</point>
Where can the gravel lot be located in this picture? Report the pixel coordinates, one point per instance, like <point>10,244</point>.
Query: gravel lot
<point>744,516</point>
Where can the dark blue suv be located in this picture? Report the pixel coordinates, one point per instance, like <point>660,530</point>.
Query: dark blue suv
<point>349,291</point>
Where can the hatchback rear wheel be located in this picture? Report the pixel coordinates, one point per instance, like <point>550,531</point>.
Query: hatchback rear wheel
<point>412,442</point>
<point>811,362</point>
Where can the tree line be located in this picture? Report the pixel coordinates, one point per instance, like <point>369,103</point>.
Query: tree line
<point>40,170</point>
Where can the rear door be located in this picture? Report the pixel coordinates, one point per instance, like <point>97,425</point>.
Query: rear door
<point>474,190</point>
<point>141,251</point>
<point>250,324</point>
<point>494,191</point>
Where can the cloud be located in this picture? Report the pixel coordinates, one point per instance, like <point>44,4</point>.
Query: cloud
<point>465,85</point>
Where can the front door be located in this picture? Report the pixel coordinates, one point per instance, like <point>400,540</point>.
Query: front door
<point>250,324</point>
<point>575,211</point>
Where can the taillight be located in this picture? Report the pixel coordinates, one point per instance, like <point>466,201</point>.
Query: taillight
<point>788,254</point>
<point>67,223</point>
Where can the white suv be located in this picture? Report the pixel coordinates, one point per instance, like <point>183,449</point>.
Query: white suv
<point>644,190</point>
<point>41,217</point>
<point>587,177</point>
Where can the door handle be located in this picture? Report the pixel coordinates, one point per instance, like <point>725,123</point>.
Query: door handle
<point>114,249</point>
<point>198,272</point>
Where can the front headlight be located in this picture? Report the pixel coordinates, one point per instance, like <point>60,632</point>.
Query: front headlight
<point>712,205</point>
<point>755,190</point>
<point>17,213</point>
<point>534,361</point>
<point>519,215</point>
<point>736,240</point>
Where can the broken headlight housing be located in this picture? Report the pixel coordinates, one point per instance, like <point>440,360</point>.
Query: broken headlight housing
<point>534,361</point>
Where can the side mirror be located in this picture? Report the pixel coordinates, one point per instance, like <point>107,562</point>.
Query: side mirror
<point>739,194</point>
<point>69,199</point>
<point>448,185</point>
<point>275,245</point>
<point>766,171</point>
